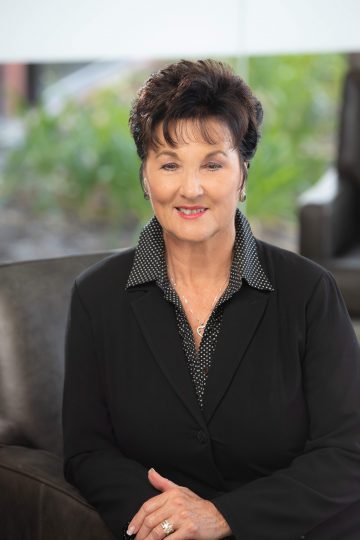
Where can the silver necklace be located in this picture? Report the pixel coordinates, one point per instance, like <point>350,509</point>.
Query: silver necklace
<point>201,326</point>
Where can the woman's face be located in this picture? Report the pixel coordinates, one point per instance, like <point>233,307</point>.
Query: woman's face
<point>194,187</point>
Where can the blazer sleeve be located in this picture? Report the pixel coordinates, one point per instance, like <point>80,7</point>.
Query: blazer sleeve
<point>115,485</point>
<point>325,478</point>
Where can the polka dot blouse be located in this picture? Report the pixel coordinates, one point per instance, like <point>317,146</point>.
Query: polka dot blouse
<point>150,265</point>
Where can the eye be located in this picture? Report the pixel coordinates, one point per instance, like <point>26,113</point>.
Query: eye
<point>169,166</point>
<point>213,166</point>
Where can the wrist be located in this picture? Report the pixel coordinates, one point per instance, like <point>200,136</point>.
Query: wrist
<point>223,528</point>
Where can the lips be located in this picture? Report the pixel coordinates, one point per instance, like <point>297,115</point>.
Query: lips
<point>191,212</point>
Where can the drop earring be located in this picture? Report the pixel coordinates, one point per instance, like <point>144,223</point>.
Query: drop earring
<point>242,196</point>
<point>146,194</point>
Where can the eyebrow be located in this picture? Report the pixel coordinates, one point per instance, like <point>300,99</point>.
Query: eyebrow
<point>174,154</point>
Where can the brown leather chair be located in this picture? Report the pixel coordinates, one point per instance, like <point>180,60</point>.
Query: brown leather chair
<point>36,502</point>
<point>330,211</point>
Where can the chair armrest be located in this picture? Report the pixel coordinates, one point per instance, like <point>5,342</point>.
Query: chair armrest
<point>326,217</point>
<point>37,502</point>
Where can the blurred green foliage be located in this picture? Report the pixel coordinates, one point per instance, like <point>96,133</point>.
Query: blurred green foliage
<point>83,159</point>
<point>301,96</point>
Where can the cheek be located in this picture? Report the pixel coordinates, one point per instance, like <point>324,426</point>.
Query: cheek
<point>161,191</point>
<point>227,188</point>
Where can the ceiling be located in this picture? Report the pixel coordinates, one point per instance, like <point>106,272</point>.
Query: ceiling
<point>86,30</point>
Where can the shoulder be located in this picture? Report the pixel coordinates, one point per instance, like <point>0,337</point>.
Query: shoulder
<point>287,269</point>
<point>107,275</point>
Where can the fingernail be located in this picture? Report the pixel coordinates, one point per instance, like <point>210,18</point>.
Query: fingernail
<point>152,469</point>
<point>130,530</point>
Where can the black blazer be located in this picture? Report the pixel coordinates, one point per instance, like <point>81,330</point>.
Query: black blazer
<point>277,446</point>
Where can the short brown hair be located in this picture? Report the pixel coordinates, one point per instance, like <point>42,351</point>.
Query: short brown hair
<point>196,90</point>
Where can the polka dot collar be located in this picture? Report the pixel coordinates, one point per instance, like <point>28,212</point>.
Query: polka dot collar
<point>150,256</point>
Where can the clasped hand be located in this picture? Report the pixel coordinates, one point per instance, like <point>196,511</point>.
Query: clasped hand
<point>191,516</point>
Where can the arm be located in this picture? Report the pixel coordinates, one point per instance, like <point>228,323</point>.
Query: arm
<point>115,485</point>
<point>325,479</point>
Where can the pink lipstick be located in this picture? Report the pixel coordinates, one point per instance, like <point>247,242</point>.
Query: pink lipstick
<point>191,212</point>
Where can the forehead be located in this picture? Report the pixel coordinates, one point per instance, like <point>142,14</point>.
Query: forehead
<point>208,131</point>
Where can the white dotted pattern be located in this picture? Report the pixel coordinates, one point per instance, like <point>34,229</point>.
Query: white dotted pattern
<point>150,265</point>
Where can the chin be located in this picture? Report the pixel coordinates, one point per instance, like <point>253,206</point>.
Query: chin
<point>194,237</point>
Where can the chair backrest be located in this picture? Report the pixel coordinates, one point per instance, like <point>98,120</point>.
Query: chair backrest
<point>34,298</point>
<point>349,131</point>
<point>348,158</point>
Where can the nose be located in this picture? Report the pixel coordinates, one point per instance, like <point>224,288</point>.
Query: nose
<point>191,185</point>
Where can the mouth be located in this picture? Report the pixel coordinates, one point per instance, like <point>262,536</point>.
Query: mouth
<point>191,212</point>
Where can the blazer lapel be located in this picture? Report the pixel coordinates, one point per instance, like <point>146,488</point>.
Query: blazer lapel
<point>157,321</point>
<point>241,317</point>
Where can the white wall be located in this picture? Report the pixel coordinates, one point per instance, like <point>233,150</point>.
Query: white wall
<point>63,30</point>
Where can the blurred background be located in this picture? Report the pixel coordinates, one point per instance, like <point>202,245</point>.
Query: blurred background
<point>68,166</point>
<point>68,160</point>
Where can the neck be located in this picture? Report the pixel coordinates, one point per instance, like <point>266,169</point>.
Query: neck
<point>193,263</point>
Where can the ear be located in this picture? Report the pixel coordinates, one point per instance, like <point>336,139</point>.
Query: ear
<point>245,169</point>
<point>144,181</point>
<point>242,185</point>
<point>146,184</point>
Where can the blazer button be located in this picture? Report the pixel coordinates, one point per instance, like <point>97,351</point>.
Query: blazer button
<point>202,437</point>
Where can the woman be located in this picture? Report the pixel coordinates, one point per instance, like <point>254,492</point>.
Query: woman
<point>212,382</point>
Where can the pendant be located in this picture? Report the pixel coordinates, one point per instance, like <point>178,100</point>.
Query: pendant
<point>200,329</point>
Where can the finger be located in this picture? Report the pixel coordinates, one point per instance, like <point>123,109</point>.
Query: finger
<point>149,506</point>
<point>180,534</point>
<point>159,481</point>
<point>151,526</point>
<point>171,511</point>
